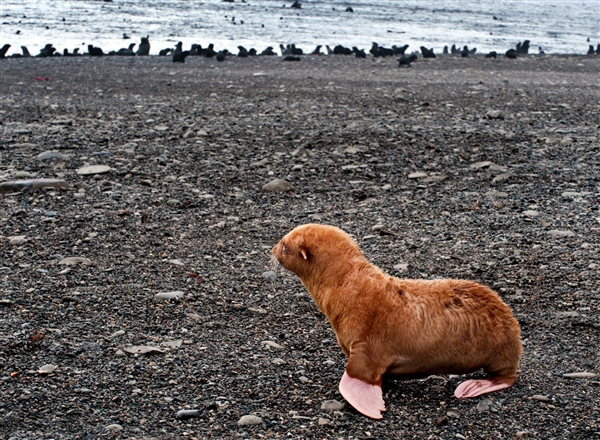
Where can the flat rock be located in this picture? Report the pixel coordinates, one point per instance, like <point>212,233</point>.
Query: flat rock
<point>172,344</point>
<point>17,240</point>
<point>114,427</point>
<point>72,261</point>
<point>23,175</point>
<point>531,213</point>
<point>270,275</point>
<point>580,375</point>
<point>93,169</point>
<point>332,405</point>
<point>417,175</point>
<point>142,349</point>
<point>478,165</point>
<point>249,420</point>
<point>540,398</point>
<point>163,296</point>
<point>47,369</point>
<point>574,195</point>
<point>278,361</point>
<point>185,414</point>
<point>495,114</point>
<point>278,185</point>
<point>47,155</point>
<point>19,185</point>
<point>271,344</point>
<point>559,233</point>
<point>501,177</point>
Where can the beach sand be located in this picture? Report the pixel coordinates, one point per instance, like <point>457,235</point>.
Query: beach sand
<point>457,168</point>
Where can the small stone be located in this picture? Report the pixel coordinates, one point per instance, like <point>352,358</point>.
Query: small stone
<point>453,413</point>
<point>386,187</point>
<point>16,240</point>
<point>163,296</point>
<point>249,420</point>
<point>531,213</point>
<point>172,202</point>
<point>19,185</point>
<point>257,310</point>
<point>460,436</point>
<point>146,182</point>
<point>185,414</point>
<point>377,227</point>
<point>172,344</point>
<point>540,398</point>
<point>593,266</point>
<point>46,155</point>
<point>494,114</point>
<point>47,369</point>
<point>142,349</point>
<point>484,405</point>
<point>72,261</point>
<point>177,262</point>
<point>278,361</point>
<point>574,195</point>
<point>270,275</point>
<point>402,267</point>
<point>278,185</point>
<point>114,427</point>
<point>581,375</point>
<point>442,421</point>
<point>478,165</point>
<point>23,175</point>
<point>120,353</point>
<point>332,405</point>
<point>6,302</point>
<point>558,233</point>
<point>271,344</point>
<point>94,169</point>
<point>322,421</point>
<point>189,135</point>
<point>417,175</point>
<point>501,177</point>
<point>202,133</point>
<point>161,128</point>
<point>303,379</point>
<point>522,434</point>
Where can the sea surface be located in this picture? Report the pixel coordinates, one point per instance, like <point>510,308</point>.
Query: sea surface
<point>558,26</point>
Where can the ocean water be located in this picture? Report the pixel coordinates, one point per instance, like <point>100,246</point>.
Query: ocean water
<point>558,26</point>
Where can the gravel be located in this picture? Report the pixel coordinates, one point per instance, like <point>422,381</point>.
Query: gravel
<point>138,297</point>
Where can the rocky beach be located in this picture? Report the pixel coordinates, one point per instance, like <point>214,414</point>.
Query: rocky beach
<point>138,296</point>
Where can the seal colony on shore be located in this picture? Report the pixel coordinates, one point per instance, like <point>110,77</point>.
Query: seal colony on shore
<point>406,328</point>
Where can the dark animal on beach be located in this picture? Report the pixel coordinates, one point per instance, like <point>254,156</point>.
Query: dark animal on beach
<point>317,50</point>
<point>492,54</point>
<point>296,5</point>
<point>4,50</point>
<point>178,48</point>
<point>523,49</point>
<point>144,47</point>
<point>445,52</point>
<point>179,57</point>
<point>341,50</point>
<point>591,50</point>
<point>296,50</point>
<point>454,50</point>
<point>427,53</point>
<point>95,51</point>
<point>76,52</point>
<point>511,53</point>
<point>221,55</point>
<point>242,52</point>
<point>66,52</point>
<point>598,49</point>
<point>252,52</point>
<point>399,50</point>
<point>126,52</point>
<point>25,54</point>
<point>125,37</point>
<point>349,9</point>
<point>405,61</point>
<point>47,51</point>
<point>329,51</point>
<point>380,51</point>
<point>360,53</point>
<point>210,51</point>
<point>268,52</point>
<point>164,52</point>
<point>291,58</point>
<point>465,52</point>
<point>195,50</point>
<point>541,51</point>
<point>285,50</point>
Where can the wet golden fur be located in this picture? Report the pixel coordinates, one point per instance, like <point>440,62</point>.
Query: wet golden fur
<point>409,328</point>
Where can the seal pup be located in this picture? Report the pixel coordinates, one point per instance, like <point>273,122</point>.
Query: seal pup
<point>242,52</point>
<point>47,51</point>
<point>492,54</point>
<point>164,52</point>
<point>221,55</point>
<point>404,61</point>
<point>144,47</point>
<point>407,328</point>
<point>3,50</point>
<point>95,51</point>
<point>511,54</point>
<point>360,53</point>
<point>268,52</point>
<point>427,53</point>
<point>126,51</point>
<point>317,50</point>
<point>591,50</point>
<point>178,48</point>
<point>179,57</point>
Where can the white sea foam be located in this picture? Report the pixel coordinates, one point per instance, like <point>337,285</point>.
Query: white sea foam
<point>559,26</point>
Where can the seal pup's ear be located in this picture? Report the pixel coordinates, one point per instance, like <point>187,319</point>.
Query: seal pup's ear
<point>303,251</point>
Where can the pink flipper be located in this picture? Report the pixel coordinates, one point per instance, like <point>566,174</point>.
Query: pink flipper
<point>365,398</point>
<point>474,388</point>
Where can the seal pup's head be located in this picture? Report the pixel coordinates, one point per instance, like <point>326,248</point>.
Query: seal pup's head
<point>310,250</point>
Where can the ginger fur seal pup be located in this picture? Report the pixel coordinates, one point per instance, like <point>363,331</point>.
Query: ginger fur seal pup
<point>406,328</point>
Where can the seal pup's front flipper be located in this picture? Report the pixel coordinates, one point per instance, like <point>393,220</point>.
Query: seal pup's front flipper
<point>474,388</point>
<point>361,383</point>
<point>364,397</point>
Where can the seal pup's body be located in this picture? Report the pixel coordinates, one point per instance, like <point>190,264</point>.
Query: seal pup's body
<point>407,328</point>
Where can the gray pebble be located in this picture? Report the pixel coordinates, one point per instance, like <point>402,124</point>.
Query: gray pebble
<point>185,414</point>
<point>249,420</point>
<point>332,405</point>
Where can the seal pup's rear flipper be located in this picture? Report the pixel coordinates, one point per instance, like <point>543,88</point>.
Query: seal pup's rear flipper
<point>364,397</point>
<point>474,388</point>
